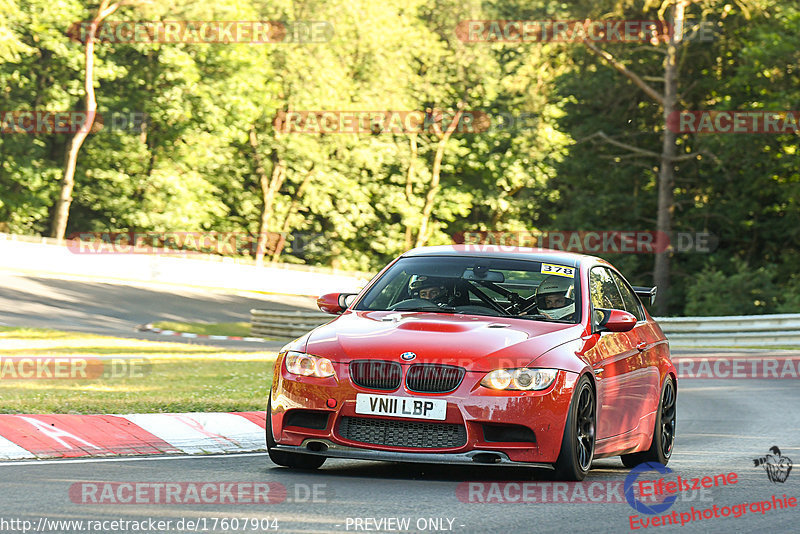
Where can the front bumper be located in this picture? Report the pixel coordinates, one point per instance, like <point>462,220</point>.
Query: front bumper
<point>322,447</point>
<point>471,406</point>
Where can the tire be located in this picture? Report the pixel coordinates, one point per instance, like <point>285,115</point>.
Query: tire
<point>289,459</point>
<point>663,431</point>
<point>577,445</point>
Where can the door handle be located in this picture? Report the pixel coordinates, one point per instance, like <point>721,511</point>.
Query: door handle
<point>641,346</point>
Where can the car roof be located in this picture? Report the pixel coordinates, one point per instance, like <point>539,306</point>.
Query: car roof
<point>502,252</point>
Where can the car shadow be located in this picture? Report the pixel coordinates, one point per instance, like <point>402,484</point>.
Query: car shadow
<point>443,473</point>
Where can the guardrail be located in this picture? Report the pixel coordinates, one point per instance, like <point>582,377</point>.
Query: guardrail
<point>733,331</point>
<point>284,324</point>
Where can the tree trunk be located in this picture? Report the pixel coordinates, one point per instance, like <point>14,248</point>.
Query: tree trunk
<point>433,188</point>
<point>410,187</point>
<point>669,150</point>
<point>292,210</point>
<point>269,186</point>
<point>430,197</point>
<point>61,209</point>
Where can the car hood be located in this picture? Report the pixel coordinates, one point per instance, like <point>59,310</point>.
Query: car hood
<point>476,343</point>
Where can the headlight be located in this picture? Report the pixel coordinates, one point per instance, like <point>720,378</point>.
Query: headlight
<point>300,363</point>
<point>520,379</point>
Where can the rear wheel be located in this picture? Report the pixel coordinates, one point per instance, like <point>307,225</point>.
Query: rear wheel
<point>577,446</point>
<point>285,458</point>
<point>663,432</point>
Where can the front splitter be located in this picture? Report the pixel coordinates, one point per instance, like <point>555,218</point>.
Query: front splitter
<point>476,457</point>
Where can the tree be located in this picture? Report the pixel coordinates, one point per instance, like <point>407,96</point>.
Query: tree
<point>358,199</point>
<point>11,46</point>
<point>442,135</point>
<point>61,208</point>
<point>270,185</point>
<point>668,100</point>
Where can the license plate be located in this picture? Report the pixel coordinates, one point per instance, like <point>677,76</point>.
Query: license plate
<point>415,408</point>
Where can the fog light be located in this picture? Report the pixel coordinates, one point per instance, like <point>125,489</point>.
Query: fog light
<point>331,403</point>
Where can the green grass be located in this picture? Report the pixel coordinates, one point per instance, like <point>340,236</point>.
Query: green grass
<point>208,329</point>
<point>172,377</point>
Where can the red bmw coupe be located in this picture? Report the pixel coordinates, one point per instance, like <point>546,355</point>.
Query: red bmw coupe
<point>467,354</point>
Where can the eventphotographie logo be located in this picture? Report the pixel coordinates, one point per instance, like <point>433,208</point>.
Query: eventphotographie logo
<point>775,464</point>
<point>631,482</point>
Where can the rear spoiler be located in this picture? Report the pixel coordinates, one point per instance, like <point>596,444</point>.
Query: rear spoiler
<point>646,294</point>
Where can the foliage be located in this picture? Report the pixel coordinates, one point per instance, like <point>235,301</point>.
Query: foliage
<point>744,292</point>
<point>192,167</point>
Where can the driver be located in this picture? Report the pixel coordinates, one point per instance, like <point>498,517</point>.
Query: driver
<point>430,288</point>
<point>555,297</point>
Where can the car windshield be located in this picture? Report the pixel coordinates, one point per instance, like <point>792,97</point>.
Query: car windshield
<point>525,289</point>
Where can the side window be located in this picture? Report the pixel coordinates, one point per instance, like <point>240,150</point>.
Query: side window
<point>392,292</point>
<point>632,304</point>
<point>603,290</point>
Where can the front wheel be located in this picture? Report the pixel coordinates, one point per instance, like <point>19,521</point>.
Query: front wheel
<point>663,431</point>
<point>577,446</point>
<point>289,459</point>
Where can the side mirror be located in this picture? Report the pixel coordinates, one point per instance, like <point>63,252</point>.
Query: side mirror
<point>614,320</point>
<point>335,303</point>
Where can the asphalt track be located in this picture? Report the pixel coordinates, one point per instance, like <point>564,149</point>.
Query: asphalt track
<point>118,309</point>
<point>722,426</point>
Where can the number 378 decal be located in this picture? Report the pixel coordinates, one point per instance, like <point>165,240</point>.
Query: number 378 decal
<point>560,270</point>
